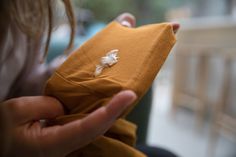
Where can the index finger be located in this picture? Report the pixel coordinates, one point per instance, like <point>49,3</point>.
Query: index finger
<point>81,132</point>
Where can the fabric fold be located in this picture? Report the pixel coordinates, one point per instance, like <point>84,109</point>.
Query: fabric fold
<point>140,54</point>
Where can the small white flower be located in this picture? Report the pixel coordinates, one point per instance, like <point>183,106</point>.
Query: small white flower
<point>110,59</point>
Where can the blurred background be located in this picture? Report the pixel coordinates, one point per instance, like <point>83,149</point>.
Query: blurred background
<point>191,107</point>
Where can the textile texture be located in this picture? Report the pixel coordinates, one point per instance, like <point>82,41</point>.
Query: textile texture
<point>141,53</point>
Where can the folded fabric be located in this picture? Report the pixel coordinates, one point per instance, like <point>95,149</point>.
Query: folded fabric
<point>115,59</point>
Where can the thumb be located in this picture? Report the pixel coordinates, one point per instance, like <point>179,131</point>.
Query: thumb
<point>126,19</point>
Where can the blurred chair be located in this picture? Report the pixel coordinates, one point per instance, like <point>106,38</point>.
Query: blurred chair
<point>190,80</point>
<point>224,116</point>
<point>199,40</point>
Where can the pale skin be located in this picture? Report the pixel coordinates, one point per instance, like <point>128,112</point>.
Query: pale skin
<point>29,137</point>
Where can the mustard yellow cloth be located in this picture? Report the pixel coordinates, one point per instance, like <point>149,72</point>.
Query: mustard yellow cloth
<point>141,52</point>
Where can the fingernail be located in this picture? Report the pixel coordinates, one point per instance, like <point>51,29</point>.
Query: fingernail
<point>132,96</point>
<point>126,24</point>
<point>176,27</point>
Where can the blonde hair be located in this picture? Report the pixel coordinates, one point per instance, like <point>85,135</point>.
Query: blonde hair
<point>34,17</point>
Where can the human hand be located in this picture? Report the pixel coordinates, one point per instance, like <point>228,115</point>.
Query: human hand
<point>128,20</point>
<point>30,137</point>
